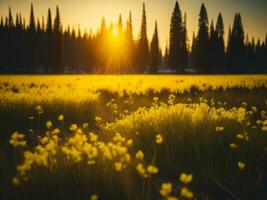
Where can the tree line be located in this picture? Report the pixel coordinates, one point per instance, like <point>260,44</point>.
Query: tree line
<point>42,46</point>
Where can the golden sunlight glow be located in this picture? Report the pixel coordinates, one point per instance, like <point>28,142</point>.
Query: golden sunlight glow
<point>115,53</point>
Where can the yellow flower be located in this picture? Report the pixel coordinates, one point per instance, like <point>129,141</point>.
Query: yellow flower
<point>94,197</point>
<point>129,142</point>
<point>15,181</point>
<point>139,155</point>
<point>186,178</point>
<point>240,136</point>
<point>56,131</point>
<point>85,125</point>
<point>93,137</point>
<point>219,129</point>
<point>118,166</point>
<point>241,165</point>
<point>186,193</point>
<point>233,146</point>
<point>17,139</point>
<point>151,169</point>
<point>49,124</point>
<point>60,118</point>
<point>159,139</point>
<point>166,189</point>
<point>39,109</point>
<point>98,119</point>
<point>141,170</point>
<point>73,127</point>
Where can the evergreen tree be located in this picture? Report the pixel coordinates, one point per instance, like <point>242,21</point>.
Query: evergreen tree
<point>212,49</point>
<point>49,42</point>
<point>193,52</point>
<point>175,49</point>
<point>130,45</point>
<point>32,57</point>
<point>166,58</point>
<point>58,44</point>
<point>143,49</point>
<point>236,47</point>
<point>184,49</point>
<point>155,53</point>
<point>220,46</point>
<point>202,44</point>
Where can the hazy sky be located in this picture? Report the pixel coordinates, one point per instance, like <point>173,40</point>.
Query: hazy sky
<point>88,13</point>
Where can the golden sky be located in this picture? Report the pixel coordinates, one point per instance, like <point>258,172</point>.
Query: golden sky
<point>88,13</point>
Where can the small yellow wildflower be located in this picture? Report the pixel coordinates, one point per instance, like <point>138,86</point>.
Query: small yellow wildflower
<point>240,136</point>
<point>141,170</point>
<point>17,139</point>
<point>186,178</point>
<point>85,125</point>
<point>241,165</point>
<point>186,193</point>
<point>159,139</point>
<point>55,131</point>
<point>139,155</point>
<point>151,169</point>
<point>233,146</point>
<point>39,109</point>
<point>129,142</point>
<point>49,124</point>
<point>60,118</point>
<point>98,119</point>
<point>118,166</point>
<point>15,181</point>
<point>94,197</point>
<point>93,137</point>
<point>73,127</point>
<point>166,189</point>
<point>219,129</point>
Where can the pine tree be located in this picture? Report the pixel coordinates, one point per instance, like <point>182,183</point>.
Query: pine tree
<point>212,49</point>
<point>58,44</point>
<point>175,49</point>
<point>202,44</point>
<point>184,50</point>
<point>49,42</point>
<point>155,57</point>
<point>130,44</point>
<point>143,49</point>
<point>32,21</point>
<point>236,47</point>
<point>10,19</point>
<point>193,52</point>
<point>220,46</point>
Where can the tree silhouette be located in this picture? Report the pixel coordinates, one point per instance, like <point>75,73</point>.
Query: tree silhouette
<point>220,45</point>
<point>175,49</point>
<point>143,49</point>
<point>184,50</point>
<point>202,47</point>
<point>155,54</point>
<point>42,46</point>
<point>236,47</point>
<point>58,44</point>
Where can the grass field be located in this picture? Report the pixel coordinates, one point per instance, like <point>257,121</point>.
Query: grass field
<point>133,137</point>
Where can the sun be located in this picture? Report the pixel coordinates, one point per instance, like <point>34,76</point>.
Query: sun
<point>115,32</point>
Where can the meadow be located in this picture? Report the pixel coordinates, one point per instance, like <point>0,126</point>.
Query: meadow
<point>133,137</point>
